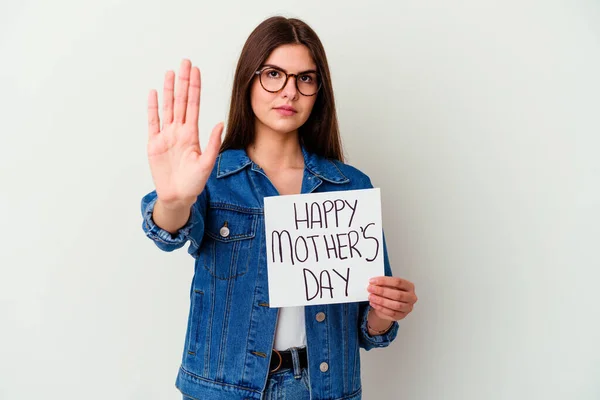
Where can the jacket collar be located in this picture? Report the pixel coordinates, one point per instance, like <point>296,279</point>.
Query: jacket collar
<point>230,162</point>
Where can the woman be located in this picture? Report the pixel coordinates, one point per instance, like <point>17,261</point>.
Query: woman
<point>282,138</point>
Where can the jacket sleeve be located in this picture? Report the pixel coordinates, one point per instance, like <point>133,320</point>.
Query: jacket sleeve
<point>193,230</point>
<point>366,341</point>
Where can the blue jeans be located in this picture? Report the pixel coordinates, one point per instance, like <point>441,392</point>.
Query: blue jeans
<point>286,384</point>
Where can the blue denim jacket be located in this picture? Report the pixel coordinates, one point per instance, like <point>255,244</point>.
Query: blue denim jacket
<point>231,328</point>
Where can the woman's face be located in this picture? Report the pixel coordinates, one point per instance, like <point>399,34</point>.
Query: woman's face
<point>292,59</point>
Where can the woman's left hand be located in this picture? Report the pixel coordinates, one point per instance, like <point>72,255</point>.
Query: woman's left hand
<point>391,298</point>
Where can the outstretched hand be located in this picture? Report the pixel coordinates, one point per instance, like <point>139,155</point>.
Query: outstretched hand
<point>179,168</point>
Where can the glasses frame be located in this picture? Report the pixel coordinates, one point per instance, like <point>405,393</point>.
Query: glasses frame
<point>287,76</point>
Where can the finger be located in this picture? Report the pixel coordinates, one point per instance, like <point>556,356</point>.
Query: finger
<point>391,304</point>
<point>214,144</point>
<point>193,103</point>
<point>168,89</point>
<point>392,293</point>
<point>392,281</point>
<point>153,118</point>
<point>388,314</point>
<point>181,92</point>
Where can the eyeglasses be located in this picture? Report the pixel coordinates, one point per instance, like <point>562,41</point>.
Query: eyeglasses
<point>274,79</point>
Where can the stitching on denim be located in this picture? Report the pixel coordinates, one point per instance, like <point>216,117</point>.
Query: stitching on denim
<point>313,170</point>
<point>233,207</point>
<point>219,166</point>
<point>305,380</point>
<point>250,246</point>
<point>317,185</point>
<point>250,325</point>
<point>223,278</point>
<point>296,370</point>
<point>214,262</point>
<point>363,326</point>
<point>232,238</point>
<point>200,378</point>
<point>356,374</point>
<point>346,180</point>
<point>351,395</point>
<point>199,312</point>
<point>224,174</point>
<point>309,166</point>
<point>209,330</point>
<point>153,232</point>
<point>196,310</point>
<point>188,230</point>
<point>196,245</point>
<point>160,239</point>
<point>255,190</point>
<point>235,252</point>
<point>226,317</point>
<point>258,353</point>
<point>188,397</point>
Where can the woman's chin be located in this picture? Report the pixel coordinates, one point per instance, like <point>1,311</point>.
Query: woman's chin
<point>284,127</point>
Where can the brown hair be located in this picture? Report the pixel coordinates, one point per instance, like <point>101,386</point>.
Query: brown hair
<point>320,133</point>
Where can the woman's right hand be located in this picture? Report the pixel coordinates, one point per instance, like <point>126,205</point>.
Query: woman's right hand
<point>179,168</point>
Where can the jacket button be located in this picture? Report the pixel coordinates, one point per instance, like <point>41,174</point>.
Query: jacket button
<point>320,317</point>
<point>224,231</point>
<point>324,367</point>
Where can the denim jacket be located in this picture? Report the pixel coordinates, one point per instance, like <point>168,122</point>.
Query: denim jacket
<point>231,328</point>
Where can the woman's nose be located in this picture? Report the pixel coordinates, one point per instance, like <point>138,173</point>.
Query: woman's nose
<point>290,90</point>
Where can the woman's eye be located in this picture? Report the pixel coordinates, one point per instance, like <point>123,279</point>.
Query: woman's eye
<point>306,79</point>
<point>273,74</point>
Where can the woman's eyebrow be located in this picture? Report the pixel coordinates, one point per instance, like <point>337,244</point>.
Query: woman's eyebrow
<point>281,69</point>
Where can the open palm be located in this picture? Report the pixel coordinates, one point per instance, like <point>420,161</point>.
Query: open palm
<point>179,167</point>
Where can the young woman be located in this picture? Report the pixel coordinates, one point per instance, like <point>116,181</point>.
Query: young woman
<point>282,138</point>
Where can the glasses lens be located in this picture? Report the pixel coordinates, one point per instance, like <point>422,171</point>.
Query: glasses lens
<point>273,80</point>
<point>308,84</point>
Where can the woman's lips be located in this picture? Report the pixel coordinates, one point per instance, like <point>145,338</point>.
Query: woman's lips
<point>284,111</point>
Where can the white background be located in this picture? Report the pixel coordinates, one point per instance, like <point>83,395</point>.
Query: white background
<point>478,119</point>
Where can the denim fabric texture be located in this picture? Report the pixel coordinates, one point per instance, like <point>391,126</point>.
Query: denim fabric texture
<point>290,384</point>
<point>231,328</point>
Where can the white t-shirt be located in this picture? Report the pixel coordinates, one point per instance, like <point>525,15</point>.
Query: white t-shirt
<point>291,329</point>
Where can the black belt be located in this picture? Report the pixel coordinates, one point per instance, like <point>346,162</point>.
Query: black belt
<point>282,359</point>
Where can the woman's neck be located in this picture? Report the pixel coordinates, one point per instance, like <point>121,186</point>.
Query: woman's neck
<point>276,151</point>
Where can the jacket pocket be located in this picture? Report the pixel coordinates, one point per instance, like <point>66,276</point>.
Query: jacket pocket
<point>229,236</point>
<point>195,321</point>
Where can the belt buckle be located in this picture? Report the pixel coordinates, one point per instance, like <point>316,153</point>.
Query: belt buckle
<point>280,361</point>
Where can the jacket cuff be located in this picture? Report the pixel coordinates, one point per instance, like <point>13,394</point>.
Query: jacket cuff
<point>158,234</point>
<point>383,340</point>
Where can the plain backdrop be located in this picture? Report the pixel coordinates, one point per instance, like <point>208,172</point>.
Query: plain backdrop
<point>479,120</point>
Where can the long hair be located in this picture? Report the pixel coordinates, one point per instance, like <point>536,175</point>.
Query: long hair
<point>320,133</point>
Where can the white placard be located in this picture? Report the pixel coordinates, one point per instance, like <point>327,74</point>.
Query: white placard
<point>323,248</point>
